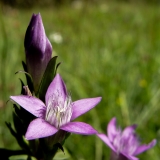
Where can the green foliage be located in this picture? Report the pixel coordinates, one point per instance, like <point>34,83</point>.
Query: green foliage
<point>109,50</point>
<point>28,77</point>
<point>49,75</point>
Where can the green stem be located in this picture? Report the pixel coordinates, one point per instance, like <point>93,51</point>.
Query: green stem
<point>7,153</point>
<point>45,153</point>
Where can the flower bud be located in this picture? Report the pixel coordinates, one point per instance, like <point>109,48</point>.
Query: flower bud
<point>38,49</point>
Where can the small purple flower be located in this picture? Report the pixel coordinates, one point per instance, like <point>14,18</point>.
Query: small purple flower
<point>125,144</point>
<point>57,112</point>
<point>38,49</point>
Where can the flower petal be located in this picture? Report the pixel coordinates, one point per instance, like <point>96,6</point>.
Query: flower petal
<point>106,140</point>
<point>57,87</point>
<point>35,35</point>
<point>84,105</point>
<point>31,104</point>
<point>129,136</point>
<point>48,50</point>
<point>39,128</point>
<point>145,147</point>
<point>129,130</point>
<point>115,155</point>
<point>112,130</point>
<point>79,128</point>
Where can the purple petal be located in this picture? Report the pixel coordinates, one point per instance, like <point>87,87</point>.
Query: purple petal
<point>39,128</point>
<point>57,87</point>
<point>35,35</point>
<point>48,50</point>
<point>129,130</point>
<point>106,140</point>
<point>79,128</point>
<point>84,105</point>
<point>145,147</point>
<point>112,129</point>
<point>31,104</point>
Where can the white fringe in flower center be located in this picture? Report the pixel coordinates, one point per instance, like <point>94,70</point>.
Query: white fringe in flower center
<point>127,143</point>
<point>59,111</point>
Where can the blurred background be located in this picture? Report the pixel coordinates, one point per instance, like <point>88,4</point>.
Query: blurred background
<point>108,48</point>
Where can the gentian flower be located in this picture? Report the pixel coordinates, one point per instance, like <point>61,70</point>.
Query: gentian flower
<point>57,112</point>
<point>125,145</point>
<point>38,49</point>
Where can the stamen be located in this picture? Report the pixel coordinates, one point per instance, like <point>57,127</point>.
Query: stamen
<point>59,111</point>
<point>126,144</point>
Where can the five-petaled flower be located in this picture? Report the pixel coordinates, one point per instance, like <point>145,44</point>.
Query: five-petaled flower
<point>38,49</point>
<point>125,145</point>
<point>57,112</point>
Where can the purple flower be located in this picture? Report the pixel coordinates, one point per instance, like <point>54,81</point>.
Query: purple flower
<point>57,112</point>
<point>125,144</point>
<point>38,49</point>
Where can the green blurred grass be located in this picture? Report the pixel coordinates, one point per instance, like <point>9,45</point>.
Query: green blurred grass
<point>109,50</point>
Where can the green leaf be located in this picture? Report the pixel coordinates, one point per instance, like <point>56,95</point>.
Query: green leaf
<point>11,129</point>
<point>18,124</point>
<point>57,67</point>
<point>60,147</point>
<point>47,78</point>
<point>22,84</point>
<point>25,116</point>
<point>19,138</point>
<point>17,111</point>
<point>28,78</point>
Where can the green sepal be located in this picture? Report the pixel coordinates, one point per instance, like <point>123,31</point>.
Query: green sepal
<point>22,84</point>
<point>24,115</point>
<point>62,155</point>
<point>48,76</point>
<point>18,124</point>
<point>21,119</point>
<point>51,153</point>
<point>17,111</point>
<point>57,67</point>
<point>60,147</point>
<point>28,78</point>
<point>11,129</point>
<point>19,139</point>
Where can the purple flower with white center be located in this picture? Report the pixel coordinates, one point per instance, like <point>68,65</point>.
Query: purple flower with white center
<point>125,145</point>
<point>57,112</point>
<point>38,49</point>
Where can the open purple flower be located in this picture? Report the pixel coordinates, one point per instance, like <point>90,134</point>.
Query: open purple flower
<point>125,144</point>
<point>38,49</point>
<point>57,112</point>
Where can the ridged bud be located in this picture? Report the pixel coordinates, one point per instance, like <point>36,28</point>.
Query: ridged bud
<point>38,49</point>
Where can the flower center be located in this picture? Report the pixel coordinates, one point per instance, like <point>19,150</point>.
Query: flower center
<point>59,110</point>
<point>126,144</point>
